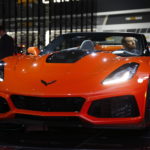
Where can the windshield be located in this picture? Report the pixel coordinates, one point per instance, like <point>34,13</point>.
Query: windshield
<point>101,42</point>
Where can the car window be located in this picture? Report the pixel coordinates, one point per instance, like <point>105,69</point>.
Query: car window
<point>101,42</point>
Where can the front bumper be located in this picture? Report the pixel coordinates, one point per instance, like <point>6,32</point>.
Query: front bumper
<point>92,113</point>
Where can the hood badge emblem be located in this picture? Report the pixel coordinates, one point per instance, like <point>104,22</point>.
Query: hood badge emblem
<point>47,83</point>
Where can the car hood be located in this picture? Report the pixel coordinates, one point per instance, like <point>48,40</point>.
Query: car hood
<point>30,75</point>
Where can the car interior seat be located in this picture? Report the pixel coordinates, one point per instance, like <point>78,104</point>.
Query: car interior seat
<point>87,44</point>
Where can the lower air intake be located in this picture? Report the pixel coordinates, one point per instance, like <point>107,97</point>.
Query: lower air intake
<point>4,107</point>
<point>114,107</point>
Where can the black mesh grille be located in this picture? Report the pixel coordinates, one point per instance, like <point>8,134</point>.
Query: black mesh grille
<point>52,104</point>
<point>3,105</point>
<point>114,107</point>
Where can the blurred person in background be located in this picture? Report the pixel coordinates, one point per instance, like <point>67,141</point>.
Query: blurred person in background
<point>6,44</point>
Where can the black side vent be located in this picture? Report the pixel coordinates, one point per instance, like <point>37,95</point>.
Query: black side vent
<point>114,107</point>
<point>4,107</point>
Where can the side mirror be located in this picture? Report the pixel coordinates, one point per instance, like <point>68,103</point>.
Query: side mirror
<point>33,51</point>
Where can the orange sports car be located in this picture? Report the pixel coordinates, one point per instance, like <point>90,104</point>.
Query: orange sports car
<point>79,79</point>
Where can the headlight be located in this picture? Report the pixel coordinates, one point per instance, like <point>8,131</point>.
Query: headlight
<point>2,64</point>
<point>122,74</point>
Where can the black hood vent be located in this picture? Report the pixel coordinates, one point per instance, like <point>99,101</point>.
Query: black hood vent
<point>67,56</point>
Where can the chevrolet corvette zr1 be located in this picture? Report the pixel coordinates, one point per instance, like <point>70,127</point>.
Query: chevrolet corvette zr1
<point>83,78</point>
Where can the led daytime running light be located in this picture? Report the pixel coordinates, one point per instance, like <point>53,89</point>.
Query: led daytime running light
<point>122,74</point>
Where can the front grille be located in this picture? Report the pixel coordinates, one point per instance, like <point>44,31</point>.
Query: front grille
<point>4,107</point>
<point>114,107</point>
<point>51,104</point>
